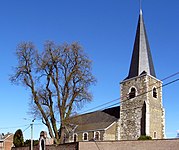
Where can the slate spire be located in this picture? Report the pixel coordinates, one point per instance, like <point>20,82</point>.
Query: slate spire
<point>141,61</point>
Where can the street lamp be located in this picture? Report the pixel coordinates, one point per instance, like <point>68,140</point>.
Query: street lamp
<point>32,133</point>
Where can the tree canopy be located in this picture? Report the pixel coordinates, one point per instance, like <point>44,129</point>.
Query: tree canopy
<point>58,77</point>
<point>18,139</point>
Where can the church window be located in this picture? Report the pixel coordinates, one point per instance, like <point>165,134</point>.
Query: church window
<point>97,136</point>
<point>85,136</point>
<point>75,136</point>
<point>132,93</point>
<point>154,92</point>
<point>155,135</point>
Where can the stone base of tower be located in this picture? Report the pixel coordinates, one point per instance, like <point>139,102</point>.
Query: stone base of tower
<point>141,108</point>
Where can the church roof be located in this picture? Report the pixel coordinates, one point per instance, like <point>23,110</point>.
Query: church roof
<point>98,120</point>
<point>141,58</point>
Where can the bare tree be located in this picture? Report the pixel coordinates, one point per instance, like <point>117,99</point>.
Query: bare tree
<point>58,78</point>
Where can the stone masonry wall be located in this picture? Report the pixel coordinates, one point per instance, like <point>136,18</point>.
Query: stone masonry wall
<point>131,109</point>
<point>142,114</point>
<point>155,108</point>
<point>90,136</point>
<point>110,133</point>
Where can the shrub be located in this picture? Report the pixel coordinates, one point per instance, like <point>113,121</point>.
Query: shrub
<point>28,142</point>
<point>18,139</point>
<point>145,137</point>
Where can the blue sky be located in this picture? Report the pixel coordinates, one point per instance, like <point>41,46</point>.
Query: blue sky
<point>106,30</point>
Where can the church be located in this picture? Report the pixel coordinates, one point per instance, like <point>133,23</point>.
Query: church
<point>140,112</point>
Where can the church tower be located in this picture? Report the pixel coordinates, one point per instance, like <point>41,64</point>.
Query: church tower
<point>141,106</point>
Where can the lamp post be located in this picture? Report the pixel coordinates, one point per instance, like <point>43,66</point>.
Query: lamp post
<point>32,133</point>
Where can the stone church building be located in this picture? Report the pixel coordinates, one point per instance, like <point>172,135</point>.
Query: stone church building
<point>140,112</point>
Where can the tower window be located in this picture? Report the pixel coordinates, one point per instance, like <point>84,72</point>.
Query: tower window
<point>154,92</point>
<point>132,93</point>
<point>85,136</point>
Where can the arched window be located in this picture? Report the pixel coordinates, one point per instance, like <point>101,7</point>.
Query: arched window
<point>155,135</point>
<point>75,136</point>
<point>64,138</point>
<point>132,93</point>
<point>154,92</point>
<point>97,136</point>
<point>85,136</point>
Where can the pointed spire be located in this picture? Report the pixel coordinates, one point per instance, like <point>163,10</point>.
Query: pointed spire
<point>140,11</point>
<point>141,58</point>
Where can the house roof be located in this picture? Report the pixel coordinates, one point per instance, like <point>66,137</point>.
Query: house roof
<point>98,120</point>
<point>3,137</point>
<point>141,58</point>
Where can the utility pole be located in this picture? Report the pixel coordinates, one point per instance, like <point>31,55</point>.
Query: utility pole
<point>32,133</point>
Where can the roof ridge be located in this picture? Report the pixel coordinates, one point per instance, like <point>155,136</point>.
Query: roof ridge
<point>101,110</point>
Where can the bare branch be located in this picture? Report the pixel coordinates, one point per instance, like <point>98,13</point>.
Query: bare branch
<point>58,78</point>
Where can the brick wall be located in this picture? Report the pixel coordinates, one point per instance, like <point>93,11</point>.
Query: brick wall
<point>70,146</point>
<point>131,145</point>
<point>8,142</point>
<point>169,144</point>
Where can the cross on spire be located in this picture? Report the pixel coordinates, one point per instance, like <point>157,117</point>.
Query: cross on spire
<point>140,5</point>
<point>140,1</point>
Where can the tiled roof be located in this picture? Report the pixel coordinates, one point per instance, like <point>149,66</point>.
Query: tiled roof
<point>3,137</point>
<point>98,120</point>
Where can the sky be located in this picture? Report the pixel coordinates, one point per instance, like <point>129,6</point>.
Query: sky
<point>106,30</point>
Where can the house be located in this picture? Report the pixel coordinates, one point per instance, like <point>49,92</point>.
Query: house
<point>141,110</point>
<point>6,141</point>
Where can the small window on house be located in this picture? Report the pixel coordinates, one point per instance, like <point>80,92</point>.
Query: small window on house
<point>132,93</point>
<point>154,92</point>
<point>85,136</point>
<point>155,135</point>
<point>75,137</point>
<point>97,136</point>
